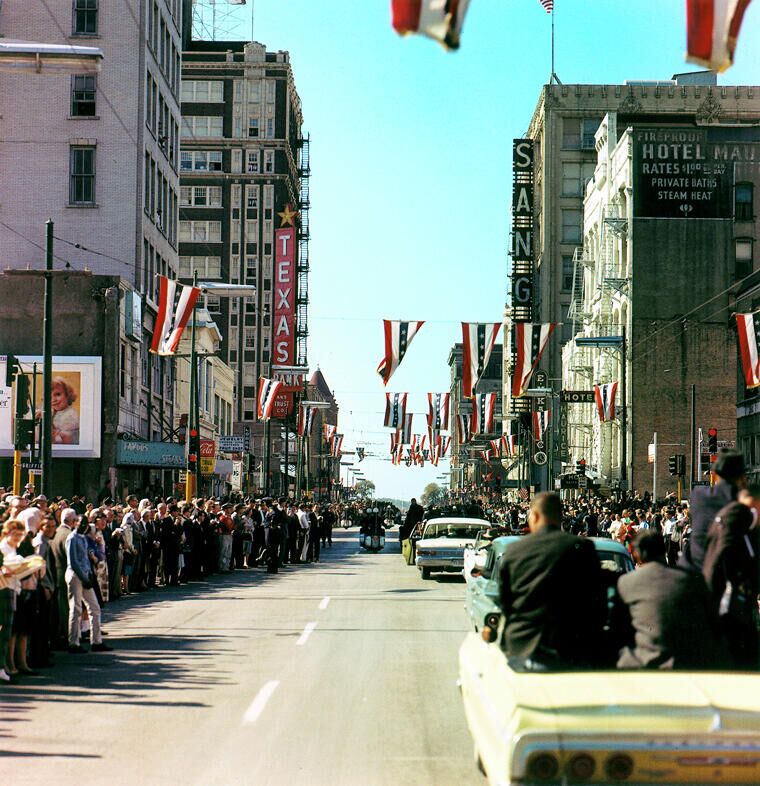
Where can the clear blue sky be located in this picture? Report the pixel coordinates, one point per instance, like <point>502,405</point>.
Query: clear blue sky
<point>411,180</point>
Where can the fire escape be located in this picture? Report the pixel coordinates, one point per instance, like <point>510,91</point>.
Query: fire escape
<point>302,301</point>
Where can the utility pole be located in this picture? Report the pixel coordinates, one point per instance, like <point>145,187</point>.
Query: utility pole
<point>693,462</point>
<point>46,438</point>
<point>624,417</point>
<point>654,472</point>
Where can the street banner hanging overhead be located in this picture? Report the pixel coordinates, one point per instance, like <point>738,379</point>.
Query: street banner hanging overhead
<point>486,455</point>
<point>336,445</point>
<point>395,410</point>
<point>404,435</point>
<point>530,342</point>
<point>398,337</point>
<point>509,445</point>
<point>478,340</point>
<point>329,432</point>
<point>444,444</point>
<point>464,431</point>
<point>438,411</point>
<point>440,20</point>
<point>541,422</point>
<point>268,390</point>
<point>360,455</point>
<point>712,28</point>
<point>483,406</point>
<point>748,328</point>
<point>175,306</point>
<point>605,400</point>
<point>306,420</point>
<point>495,447</point>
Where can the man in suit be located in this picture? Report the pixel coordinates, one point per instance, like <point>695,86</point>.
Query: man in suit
<point>706,501</point>
<point>58,548</point>
<point>668,614</point>
<point>552,594</point>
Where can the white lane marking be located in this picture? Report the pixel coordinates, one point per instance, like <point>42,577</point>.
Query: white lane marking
<point>307,631</point>
<point>258,704</point>
<point>324,604</point>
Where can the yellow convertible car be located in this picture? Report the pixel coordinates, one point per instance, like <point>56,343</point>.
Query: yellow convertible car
<point>608,727</point>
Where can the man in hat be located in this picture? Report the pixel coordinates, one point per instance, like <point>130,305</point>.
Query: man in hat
<point>730,476</point>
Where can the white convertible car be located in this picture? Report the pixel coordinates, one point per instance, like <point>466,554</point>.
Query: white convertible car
<point>441,548</point>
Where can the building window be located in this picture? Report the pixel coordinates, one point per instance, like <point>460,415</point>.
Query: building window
<point>201,161</point>
<point>201,196</point>
<point>253,162</point>
<point>200,231</point>
<point>85,20</point>
<point>571,226</point>
<point>589,129</point>
<point>571,133</point>
<point>202,91</point>
<point>743,258</point>
<point>213,304</point>
<point>202,126</point>
<point>743,202</point>
<point>571,179</point>
<point>268,161</point>
<point>81,175</point>
<point>568,273</point>
<point>253,126</point>
<point>270,128</point>
<point>206,267</point>
<point>271,86</point>
<point>82,96</point>
<point>254,91</point>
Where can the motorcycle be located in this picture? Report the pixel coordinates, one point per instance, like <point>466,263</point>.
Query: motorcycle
<point>372,534</point>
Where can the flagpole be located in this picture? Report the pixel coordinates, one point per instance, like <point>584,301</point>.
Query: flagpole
<point>553,77</point>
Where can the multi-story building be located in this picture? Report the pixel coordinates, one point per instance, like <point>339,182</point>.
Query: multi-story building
<point>99,155</point>
<point>321,472</point>
<point>244,161</point>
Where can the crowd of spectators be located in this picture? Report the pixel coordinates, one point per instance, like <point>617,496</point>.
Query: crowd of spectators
<point>63,560</point>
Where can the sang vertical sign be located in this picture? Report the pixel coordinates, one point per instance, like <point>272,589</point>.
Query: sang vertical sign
<point>522,230</point>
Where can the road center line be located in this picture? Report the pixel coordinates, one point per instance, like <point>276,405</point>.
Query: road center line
<point>258,704</point>
<point>324,603</point>
<point>307,631</point>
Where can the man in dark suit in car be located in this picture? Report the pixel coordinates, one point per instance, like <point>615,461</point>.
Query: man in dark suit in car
<point>553,595</point>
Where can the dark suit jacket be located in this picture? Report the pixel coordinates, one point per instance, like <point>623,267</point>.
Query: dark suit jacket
<point>553,598</point>
<point>706,501</point>
<point>674,625</point>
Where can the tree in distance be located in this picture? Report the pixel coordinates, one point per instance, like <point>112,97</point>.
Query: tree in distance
<point>365,489</point>
<point>432,495</point>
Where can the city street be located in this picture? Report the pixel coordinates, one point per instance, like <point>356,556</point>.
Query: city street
<point>337,673</point>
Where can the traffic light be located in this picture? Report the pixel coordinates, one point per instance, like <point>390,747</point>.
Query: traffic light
<point>193,449</point>
<point>23,434</point>
<point>580,466</point>
<point>712,441</point>
<point>681,464</point>
<point>22,394</point>
<point>12,367</point>
<point>673,465</point>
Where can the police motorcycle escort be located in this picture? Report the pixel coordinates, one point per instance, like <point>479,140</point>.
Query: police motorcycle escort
<point>372,532</point>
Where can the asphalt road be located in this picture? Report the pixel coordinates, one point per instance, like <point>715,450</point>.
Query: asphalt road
<point>341,672</point>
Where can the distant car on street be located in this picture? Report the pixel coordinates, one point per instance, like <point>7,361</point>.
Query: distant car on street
<point>441,547</point>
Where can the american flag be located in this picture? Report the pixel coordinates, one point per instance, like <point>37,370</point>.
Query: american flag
<point>548,5</point>
<point>523,493</point>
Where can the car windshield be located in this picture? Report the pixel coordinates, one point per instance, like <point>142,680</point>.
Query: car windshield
<point>614,560</point>
<point>443,529</point>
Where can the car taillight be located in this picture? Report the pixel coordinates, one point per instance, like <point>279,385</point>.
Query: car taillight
<point>543,767</point>
<point>581,767</point>
<point>619,767</point>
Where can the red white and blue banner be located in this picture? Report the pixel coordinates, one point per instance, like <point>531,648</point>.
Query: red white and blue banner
<point>438,411</point>
<point>336,443</point>
<point>329,432</point>
<point>404,435</point>
<point>268,390</point>
<point>395,410</point>
<point>440,20</point>
<point>509,445</point>
<point>541,422</point>
<point>478,340</point>
<point>175,306</point>
<point>306,415</point>
<point>530,342</point>
<point>398,337</point>
<point>464,428</point>
<point>605,400</point>
<point>748,330</point>
<point>712,29</point>
<point>483,405</point>
<point>486,455</point>
<point>444,445</point>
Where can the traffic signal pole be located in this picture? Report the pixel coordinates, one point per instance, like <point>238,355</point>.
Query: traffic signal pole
<point>46,438</point>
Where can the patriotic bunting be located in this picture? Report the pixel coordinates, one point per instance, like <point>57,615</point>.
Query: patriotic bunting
<point>509,445</point>
<point>404,435</point>
<point>175,305</point>
<point>486,455</point>
<point>478,340</point>
<point>464,423</point>
<point>495,446</point>
<point>748,328</point>
<point>395,409</point>
<point>336,443</point>
<point>712,27</point>
<point>548,5</point>
<point>541,422</point>
<point>482,413</point>
<point>530,342</point>
<point>329,432</point>
<point>305,420</point>
<point>440,20</point>
<point>605,400</point>
<point>398,337</point>
<point>268,390</point>
<point>444,446</point>
<point>438,411</point>
<point>360,455</point>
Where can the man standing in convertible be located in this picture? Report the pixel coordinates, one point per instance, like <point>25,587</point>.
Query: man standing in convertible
<point>552,595</point>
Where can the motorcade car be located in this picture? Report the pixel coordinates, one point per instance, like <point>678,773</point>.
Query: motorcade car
<point>482,593</point>
<point>441,547</point>
<point>608,727</point>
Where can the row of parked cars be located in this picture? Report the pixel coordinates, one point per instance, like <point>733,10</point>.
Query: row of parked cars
<point>595,727</point>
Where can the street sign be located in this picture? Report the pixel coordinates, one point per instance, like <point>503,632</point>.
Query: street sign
<point>577,396</point>
<point>182,476</point>
<point>32,465</point>
<point>231,443</point>
<point>247,439</point>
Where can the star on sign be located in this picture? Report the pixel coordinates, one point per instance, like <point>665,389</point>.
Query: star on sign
<point>287,216</point>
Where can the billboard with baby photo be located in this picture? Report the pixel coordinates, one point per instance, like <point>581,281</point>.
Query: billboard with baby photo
<point>75,393</point>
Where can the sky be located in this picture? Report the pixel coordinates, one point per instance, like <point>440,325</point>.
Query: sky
<point>411,150</point>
